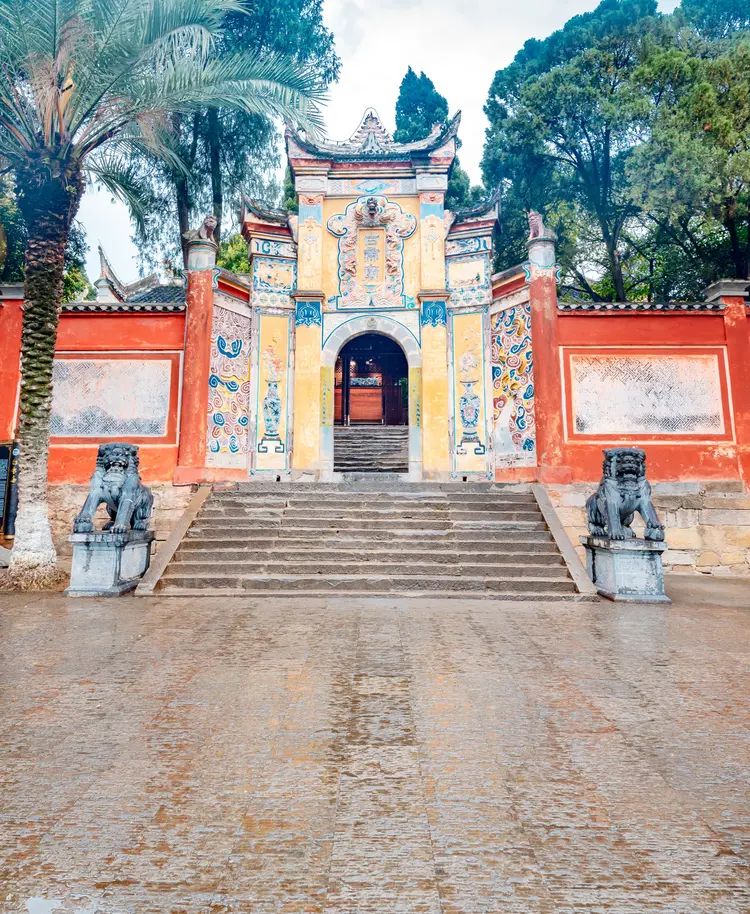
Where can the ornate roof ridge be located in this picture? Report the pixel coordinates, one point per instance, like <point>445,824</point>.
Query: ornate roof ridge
<point>372,141</point>
<point>640,306</point>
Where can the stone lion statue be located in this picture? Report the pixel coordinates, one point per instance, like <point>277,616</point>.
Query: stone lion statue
<point>623,490</point>
<point>117,484</point>
<point>204,233</point>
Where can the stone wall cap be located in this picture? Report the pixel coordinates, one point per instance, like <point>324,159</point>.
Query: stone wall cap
<point>11,291</point>
<point>636,306</point>
<point>736,288</point>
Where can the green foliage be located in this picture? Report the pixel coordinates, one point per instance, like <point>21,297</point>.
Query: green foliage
<point>696,159</point>
<point>76,285</point>
<point>13,238</point>
<point>629,130</point>
<point>564,118</point>
<point>229,152</point>
<point>717,18</point>
<point>418,108</point>
<point>232,254</point>
<point>290,201</point>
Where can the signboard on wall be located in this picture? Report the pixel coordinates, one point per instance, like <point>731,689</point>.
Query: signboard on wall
<point>8,487</point>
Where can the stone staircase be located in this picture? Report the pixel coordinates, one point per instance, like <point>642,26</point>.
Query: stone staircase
<point>369,539</point>
<point>371,449</point>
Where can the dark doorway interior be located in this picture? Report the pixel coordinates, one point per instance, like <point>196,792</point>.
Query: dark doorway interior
<point>372,385</point>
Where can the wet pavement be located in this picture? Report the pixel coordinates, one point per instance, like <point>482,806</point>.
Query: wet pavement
<point>378,756</point>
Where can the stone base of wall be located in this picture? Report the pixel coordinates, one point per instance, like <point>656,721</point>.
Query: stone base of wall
<point>66,501</point>
<point>707,524</point>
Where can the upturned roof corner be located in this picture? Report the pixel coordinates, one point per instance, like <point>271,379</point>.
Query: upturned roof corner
<point>370,141</point>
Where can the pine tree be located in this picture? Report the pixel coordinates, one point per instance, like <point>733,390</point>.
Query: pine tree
<point>419,107</point>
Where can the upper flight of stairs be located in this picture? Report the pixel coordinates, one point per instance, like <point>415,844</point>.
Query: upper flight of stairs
<point>362,539</point>
<point>371,449</point>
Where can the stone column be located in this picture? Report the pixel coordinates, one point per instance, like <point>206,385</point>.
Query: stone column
<point>435,385</point>
<point>733,294</point>
<point>308,446</point>
<point>309,425</point>
<point>541,275</point>
<point>433,299</point>
<point>197,356</point>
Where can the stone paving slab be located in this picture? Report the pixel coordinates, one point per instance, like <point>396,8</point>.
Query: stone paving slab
<point>375,756</point>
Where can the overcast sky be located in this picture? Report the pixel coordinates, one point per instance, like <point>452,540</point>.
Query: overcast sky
<point>458,43</point>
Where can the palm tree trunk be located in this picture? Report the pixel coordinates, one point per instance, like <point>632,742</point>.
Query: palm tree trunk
<point>49,199</point>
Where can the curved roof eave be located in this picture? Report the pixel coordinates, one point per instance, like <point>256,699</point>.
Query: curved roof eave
<point>439,135</point>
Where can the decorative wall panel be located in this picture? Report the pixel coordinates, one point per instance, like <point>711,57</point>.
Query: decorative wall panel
<point>468,278</point>
<point>110,398</point>
<point>469,378</point>
<point>645,394</point>
<point>274,280</point>
<point>371,233</point>
<point>271,449</point>
<point>354,187</point>
<point>513,387</point>
<point>229,390</point>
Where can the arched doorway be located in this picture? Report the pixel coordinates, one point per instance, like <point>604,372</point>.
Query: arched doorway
<point>396,410</point>
<point>372,382</point>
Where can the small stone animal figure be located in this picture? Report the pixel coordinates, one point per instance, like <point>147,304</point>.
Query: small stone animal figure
<point>623,490</point>
<point>117,484</point>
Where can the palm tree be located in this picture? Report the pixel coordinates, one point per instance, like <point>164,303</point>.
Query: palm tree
<point>83,85</point>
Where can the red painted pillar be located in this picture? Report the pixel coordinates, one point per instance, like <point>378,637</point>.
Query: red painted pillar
<point>732,293</point>
<point>11,320</point>
<point>548,400</point>
<point>196,358</point>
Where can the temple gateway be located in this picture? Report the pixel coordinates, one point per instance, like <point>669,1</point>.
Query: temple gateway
<point>370,334</point>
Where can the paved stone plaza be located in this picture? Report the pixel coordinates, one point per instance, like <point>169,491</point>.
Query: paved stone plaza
<point>216,755</point>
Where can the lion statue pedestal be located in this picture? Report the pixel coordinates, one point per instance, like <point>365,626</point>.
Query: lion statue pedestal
<point>110,562</point>
<point>622,566</point>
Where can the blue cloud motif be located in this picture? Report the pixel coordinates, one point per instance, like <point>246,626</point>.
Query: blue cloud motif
<point>243,421</point>
<point>233,446</point>
<point>214,447</point>
<point>231,351</point>
<point>219,419</point>
<point>213,381</point>
<point>528,394</point>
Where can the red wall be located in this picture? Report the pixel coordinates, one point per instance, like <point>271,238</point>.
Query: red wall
<point>96,334</point>
<point>726,333</point>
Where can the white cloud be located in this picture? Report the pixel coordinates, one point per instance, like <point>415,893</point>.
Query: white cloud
<point>458,43</point>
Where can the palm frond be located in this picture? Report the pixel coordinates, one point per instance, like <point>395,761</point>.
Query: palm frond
<point>121,179</point>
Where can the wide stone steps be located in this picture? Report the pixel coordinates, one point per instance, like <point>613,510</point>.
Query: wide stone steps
<point>370,583</point>
<point>371,449</point>
<point>539,554</point>
<point>365,539</point>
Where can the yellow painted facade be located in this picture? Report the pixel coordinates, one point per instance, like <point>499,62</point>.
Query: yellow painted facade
<point>373,250</point>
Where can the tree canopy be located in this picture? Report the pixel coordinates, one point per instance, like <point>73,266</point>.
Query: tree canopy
<point>230,152</point>
<point>629,129</point>
<point>418,108</point>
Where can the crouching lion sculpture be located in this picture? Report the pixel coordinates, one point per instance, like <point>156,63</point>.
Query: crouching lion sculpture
<point>623,490</point>
<point>117,484</point>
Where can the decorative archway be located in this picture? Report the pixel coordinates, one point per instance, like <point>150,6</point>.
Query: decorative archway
<point>348,330</point>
